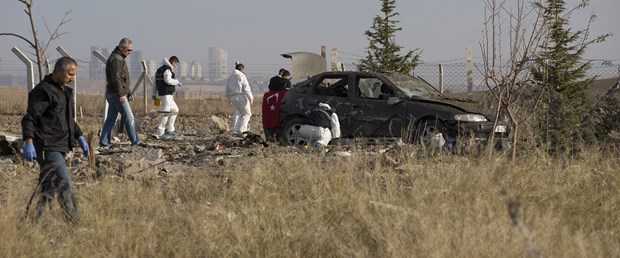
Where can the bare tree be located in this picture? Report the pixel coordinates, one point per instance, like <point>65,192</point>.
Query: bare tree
<point>40,47</point>
<point>511,35</point>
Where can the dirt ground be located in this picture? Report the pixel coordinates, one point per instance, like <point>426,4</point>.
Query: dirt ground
<point>205,146</point>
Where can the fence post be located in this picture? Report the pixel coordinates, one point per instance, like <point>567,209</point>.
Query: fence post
<point>146,75</point>
<point>441,78</point>
<point>29,66</point>
<point>470,70</point>
<point>104,60</point>
<point>48,65</point>
<point>64,53</point>
<point>334,60</point>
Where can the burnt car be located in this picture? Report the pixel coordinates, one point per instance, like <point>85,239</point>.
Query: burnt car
<point>378,106</point>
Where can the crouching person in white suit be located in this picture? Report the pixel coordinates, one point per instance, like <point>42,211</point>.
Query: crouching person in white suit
<point>165,84</point>
<point>322,127</point>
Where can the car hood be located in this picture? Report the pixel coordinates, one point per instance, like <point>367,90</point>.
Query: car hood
<point>464,105</point>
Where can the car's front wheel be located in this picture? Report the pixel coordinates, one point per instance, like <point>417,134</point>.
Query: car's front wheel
<point>290,132</point>
<point>431,133</point>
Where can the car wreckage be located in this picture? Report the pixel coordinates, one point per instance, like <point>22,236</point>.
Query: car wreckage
<point>386,107</point>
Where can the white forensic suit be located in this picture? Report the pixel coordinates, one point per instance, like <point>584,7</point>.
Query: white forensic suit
<point>240,96</point>
<point>165,85</point>
<point>322,127</point>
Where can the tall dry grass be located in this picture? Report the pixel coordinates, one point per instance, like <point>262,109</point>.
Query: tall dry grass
<point>311,204</point>
<point>297,203</point>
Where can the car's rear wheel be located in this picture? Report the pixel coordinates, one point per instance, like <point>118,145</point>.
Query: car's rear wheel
<point>290,132</point>
<point>431,133</point>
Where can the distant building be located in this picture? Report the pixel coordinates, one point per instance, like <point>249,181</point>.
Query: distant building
<point>218,64</point>
<point>152,66</point>
<point>196,70</point>
<point>135,64</point>
<point>183,70</point>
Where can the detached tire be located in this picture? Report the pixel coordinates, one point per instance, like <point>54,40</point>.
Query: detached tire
<point>290,132</point>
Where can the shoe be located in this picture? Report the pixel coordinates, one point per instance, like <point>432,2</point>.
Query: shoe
<point>237,134</point>
<point>173,133</point>
<point>165,136</point>
<point>104,148</point>
<point>141,144</point>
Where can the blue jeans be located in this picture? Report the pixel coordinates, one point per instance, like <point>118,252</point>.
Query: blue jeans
<point>115,108</point>
<point>53,177</point>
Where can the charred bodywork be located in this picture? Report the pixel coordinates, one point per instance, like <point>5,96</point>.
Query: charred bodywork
<point>385,106</point>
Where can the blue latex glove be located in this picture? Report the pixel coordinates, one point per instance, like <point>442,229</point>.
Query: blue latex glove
<point>84,145</point>
<point>180,84</point>
<point>29,153</point>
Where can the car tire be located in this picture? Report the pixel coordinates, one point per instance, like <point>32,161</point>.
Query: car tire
<point>426,133</point>
<point>290,132</point>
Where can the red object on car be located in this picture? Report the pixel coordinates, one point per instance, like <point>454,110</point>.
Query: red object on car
<point>271,108</point>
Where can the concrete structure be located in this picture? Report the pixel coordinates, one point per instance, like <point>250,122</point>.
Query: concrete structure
<point>305,64</point>
<point>218,64</point>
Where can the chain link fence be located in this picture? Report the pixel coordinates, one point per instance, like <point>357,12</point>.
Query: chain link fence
<point>196,80</point>
<point>200,80</point>
<point>455,79</point>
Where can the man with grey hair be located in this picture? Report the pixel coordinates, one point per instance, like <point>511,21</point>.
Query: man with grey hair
<point>118,95</point>
<point>49,132</point>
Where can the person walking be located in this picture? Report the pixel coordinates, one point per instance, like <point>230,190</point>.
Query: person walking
<point>165,83</point>
<point>118,95</point>
<point>49,132</point>
<point>322,126</point>
<point>239,94</point>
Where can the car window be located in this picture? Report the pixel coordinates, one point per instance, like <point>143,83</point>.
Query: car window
<point>337,86</point>
<point>373,88</point>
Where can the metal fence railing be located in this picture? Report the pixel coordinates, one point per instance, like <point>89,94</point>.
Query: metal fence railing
<point>455,75</point>
<point>91,78</point>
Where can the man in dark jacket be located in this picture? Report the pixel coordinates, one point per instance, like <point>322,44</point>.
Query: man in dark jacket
<point>49,132</point>
<point>118,95</point>
<point>280,81</point>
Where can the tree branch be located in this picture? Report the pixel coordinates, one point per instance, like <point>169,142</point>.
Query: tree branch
<point>19,36</point>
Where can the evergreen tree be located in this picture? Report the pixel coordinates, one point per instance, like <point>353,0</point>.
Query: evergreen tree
<point>383,54</point>
<point>560,69</point>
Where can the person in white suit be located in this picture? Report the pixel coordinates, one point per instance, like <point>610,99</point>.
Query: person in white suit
<point>322,126</point>
<point>239,94</point>
<point>165,85</point>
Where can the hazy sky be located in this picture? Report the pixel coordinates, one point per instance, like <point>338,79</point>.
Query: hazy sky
<point>257,32</point>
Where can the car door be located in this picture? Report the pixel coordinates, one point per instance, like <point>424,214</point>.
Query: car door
<point>368,112</point>
<point>333,89</point>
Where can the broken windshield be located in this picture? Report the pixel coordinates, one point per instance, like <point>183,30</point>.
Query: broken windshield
<point>413,86</point>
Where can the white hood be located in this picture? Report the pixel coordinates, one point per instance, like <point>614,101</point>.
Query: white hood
<point>165,61</point>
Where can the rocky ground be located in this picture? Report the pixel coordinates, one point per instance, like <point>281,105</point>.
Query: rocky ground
<point>206,145</point>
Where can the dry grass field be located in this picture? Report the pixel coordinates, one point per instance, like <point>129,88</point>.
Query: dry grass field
<point>308,203</point>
